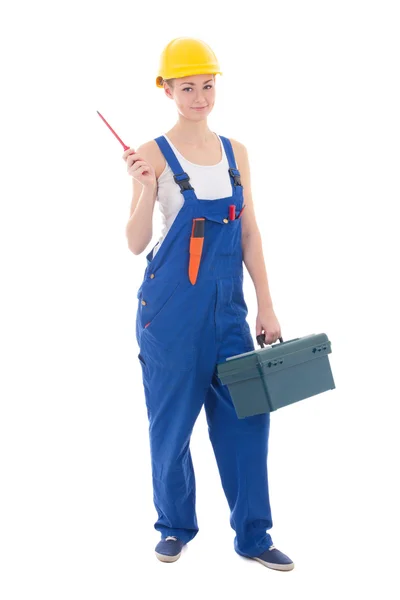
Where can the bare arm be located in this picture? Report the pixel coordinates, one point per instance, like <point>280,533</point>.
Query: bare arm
<point>251,238</point>
<point>139,229</point>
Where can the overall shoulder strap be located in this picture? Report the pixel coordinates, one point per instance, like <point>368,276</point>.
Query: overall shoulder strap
<point>233,170</point>
<point>180,176</point>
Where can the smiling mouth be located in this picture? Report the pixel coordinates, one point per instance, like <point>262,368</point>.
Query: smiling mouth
<point>199,107</point>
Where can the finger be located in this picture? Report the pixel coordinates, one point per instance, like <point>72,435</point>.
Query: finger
<point>132,159</point>
<point>128,152</point>
<point>132,164</point>
<point>141,163</point>
<point>139,171</point>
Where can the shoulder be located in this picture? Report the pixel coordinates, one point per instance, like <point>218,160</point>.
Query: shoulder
<point>151,153</point>
<point>240,152</point>
<point>237,145</point>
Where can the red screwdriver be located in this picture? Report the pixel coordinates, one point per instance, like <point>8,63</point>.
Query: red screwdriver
<point>125,147</point>
<point>117,136</point>
<point>232,211</point>
<point>240,214</point>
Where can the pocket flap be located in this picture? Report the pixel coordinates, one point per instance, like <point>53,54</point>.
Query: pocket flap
<point>217,219</point>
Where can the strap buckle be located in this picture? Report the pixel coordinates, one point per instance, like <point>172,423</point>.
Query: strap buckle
<point>182,179</point>
<point>235,174</point>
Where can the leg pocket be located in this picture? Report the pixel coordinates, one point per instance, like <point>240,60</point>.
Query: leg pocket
<point>143,364</point>
<point>140,357</point>
<point>154,298</point>
<point>172,357</point>
<point>168,339</point>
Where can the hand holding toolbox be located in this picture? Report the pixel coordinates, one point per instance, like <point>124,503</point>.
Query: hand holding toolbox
<point>269,378</point>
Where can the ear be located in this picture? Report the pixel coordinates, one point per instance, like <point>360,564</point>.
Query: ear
<point>167,91</point>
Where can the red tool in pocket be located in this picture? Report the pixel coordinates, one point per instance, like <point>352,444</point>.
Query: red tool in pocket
<point>240,214</point>
<point>232,212</point>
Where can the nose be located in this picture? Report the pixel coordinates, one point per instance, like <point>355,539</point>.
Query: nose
<point>200,100</point>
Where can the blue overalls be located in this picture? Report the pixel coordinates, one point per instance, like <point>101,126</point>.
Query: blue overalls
<point>183,330</point>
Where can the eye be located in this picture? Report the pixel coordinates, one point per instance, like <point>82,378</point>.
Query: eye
<point>189,88</point>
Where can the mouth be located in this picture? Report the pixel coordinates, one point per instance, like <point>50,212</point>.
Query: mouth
<point>200,108</point>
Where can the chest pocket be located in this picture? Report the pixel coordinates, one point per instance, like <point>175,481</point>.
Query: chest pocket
<point>222,237</point>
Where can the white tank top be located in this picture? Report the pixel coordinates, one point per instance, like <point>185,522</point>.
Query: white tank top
<point>210,182</point>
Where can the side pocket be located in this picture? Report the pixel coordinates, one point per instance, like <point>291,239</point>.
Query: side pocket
<point>158,304</point>
<point>172,357</point>
<point>153,299</point>
<point>168,340</point>
<point>143,365</point>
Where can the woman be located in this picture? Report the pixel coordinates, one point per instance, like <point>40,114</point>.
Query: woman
<point>191,310</point>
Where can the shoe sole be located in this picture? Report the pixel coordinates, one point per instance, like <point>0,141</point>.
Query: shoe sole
<point>166,558</point>
<point>275,566</point>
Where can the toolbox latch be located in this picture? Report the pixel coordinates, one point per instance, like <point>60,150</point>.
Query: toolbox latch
<point>319,348</point>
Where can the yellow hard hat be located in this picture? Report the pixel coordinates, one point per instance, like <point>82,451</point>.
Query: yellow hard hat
<point>186,56</point>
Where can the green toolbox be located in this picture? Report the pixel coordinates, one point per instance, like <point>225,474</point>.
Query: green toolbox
<point>269,378</point>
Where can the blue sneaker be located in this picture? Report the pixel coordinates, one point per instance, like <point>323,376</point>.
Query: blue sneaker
<point>169,549</point>
<point>275,559</point>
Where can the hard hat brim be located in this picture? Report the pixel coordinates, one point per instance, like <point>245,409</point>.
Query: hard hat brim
<point>160,79</point>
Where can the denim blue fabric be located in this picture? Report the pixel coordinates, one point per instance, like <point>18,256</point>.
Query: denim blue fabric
<point>183,330</point>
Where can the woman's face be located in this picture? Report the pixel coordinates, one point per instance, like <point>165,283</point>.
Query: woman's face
<point>192,92</point>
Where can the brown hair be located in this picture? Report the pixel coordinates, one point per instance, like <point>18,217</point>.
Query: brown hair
<point>172,81</point>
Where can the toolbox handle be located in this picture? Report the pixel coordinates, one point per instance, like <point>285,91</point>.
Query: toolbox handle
<point>261,340</point>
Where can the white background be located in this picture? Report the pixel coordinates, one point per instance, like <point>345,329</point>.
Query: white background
<point>312,90</point>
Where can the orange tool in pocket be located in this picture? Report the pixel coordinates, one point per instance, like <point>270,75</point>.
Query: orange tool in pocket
<point>196,248</point>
